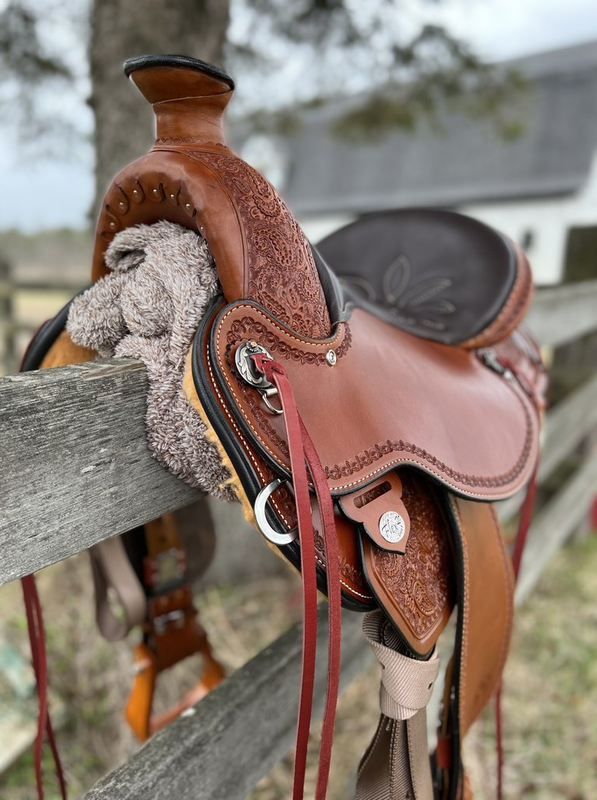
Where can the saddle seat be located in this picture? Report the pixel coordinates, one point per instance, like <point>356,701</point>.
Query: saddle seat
<point>436,274</point>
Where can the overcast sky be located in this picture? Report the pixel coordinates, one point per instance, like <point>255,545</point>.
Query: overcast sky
<point>46,192</point>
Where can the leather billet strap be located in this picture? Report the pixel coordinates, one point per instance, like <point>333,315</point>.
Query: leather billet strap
<point>484,626</point>
<point>111,570</point>
<point>396,763</point>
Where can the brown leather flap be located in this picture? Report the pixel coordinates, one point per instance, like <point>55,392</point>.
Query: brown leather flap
<point>385,398</point>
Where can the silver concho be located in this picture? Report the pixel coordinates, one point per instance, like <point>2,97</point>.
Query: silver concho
<point>246,367</point>
<point>391,526</point>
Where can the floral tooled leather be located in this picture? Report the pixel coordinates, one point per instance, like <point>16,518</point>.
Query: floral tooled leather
<point>418,581</point>
<point>282,274</point>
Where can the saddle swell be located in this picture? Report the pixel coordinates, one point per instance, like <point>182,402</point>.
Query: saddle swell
<point>196,181</point>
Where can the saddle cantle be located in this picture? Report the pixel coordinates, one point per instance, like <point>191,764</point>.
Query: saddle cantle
<point>367,422</point>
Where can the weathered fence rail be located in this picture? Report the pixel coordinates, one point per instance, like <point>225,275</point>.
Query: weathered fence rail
<point>75,470</point>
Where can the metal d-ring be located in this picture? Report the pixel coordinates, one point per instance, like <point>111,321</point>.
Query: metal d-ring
<point>260,517</point>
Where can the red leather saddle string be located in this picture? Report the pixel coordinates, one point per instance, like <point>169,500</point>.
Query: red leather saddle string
<point>301,450</point>
<point>38,657</point>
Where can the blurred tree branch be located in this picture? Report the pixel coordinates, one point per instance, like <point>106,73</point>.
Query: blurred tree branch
<point>27,65</point>
<point>398,67</point>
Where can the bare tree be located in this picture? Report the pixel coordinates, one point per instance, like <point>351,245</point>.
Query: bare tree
<point>403,72</point>
<point>124,28</point>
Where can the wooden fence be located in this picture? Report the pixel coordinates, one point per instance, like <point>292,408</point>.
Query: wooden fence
<point>75,470</point>
<point>12,327</point>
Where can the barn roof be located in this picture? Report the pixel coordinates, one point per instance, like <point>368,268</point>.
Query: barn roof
<point>466,160</point>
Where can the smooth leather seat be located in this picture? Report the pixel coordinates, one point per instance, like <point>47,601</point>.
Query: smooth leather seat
<point>436,274</point>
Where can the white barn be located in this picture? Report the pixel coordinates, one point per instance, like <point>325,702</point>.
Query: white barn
<point>540,189</point>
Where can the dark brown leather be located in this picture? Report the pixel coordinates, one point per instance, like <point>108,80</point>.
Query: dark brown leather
<point>437,274</point>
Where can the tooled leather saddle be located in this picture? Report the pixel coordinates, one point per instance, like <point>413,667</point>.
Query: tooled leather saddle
<point>369,416</point>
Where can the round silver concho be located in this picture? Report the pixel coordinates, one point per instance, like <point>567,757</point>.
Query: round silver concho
<point>391,526</point>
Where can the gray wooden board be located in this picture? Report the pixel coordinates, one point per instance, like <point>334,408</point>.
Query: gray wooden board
<point>239,731</point>
<point>74,464</point>
<point>556,521</point>
<point>561,314</point>
<point>566,425</point>
<point>75,468</point>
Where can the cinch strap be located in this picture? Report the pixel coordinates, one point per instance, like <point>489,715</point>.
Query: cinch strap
<point>396,763</point>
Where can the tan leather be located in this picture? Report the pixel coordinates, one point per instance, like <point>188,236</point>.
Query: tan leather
<point>416,589</point>
<point>64,352</point>
<point>480,439</point>
<point>487,589</point>
<point>185,101</point>
<point>489,608</point>
<point>191,178</point>
<point>374,507</point>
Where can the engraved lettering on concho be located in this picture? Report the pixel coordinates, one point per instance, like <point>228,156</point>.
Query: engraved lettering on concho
<point>391,526</point>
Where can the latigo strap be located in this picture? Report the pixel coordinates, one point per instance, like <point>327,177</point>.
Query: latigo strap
<point>302,451</point>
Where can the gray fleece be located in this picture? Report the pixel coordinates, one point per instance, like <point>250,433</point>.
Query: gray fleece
<point>161,279</point>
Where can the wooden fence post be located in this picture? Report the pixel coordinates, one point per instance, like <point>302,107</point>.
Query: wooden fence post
<point>6,317</point>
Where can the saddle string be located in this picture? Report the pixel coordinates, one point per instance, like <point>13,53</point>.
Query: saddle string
<point>302,452</point>
<point>35,627</point>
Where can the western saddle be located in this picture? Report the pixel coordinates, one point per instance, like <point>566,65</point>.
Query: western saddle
<point>368,418</point>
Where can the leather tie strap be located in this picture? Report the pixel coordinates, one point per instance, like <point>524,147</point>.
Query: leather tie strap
<point>301,450</point>
<point>396,763</point>
<point>35,626</point>
<point>111,568</point>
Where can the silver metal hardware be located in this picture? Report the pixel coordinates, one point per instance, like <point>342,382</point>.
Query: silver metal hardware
<point>246,367</point>
<point>260,518</point>
<point>491,360</point>
<point>391,526</point>
<point>331,358</point>
<point>160,623</point>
